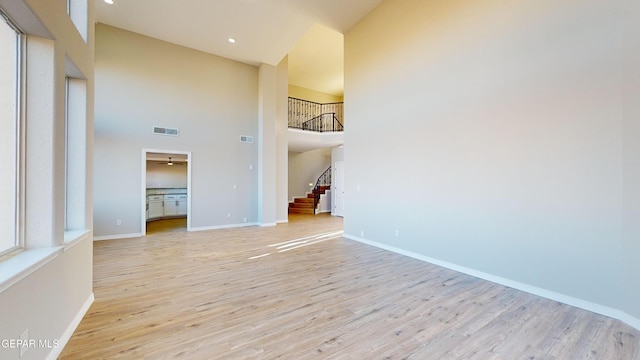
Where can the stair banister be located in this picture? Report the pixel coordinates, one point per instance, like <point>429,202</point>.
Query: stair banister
<point>323,180</point>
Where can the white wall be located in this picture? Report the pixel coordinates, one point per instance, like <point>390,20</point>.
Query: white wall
<point>299,92</point>
<point>305,168</point>
<point>282,142</point>
<point>142,82</point>
<point>163,176</point>
<point>337,154</point>
<point>50,294</point>
<point>507,146</point>
<point>268,144</point>
<point>630,77</point>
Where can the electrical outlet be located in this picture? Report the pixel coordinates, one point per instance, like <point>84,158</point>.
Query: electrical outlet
<point>24,339</point>
<point>228,215</point>
<point>244,219</point>
<point>118,222</point>
<point>397,233</point>
<point>362,233</point>
<point>235,186</point>
<point>250,166</point>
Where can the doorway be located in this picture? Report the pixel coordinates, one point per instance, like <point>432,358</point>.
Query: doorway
<point>166,191</point>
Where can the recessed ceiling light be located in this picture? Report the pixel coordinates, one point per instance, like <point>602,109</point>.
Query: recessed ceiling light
<point>110,2</point>
<point>232,40</point>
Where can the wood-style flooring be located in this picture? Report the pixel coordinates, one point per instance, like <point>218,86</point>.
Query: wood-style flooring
<point>300,291</point>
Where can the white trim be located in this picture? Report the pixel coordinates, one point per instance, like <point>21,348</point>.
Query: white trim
<point>23,264</point>
<point>629,320</point>
<point>74,237</point>
<point>282,221</point>
<point>66,336</point>
<point>565,299</point>
<point>219,227</point>
<point>267,224</point>
<point>117,236</point>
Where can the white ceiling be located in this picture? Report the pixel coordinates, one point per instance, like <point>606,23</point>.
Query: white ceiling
<point>265,30</point>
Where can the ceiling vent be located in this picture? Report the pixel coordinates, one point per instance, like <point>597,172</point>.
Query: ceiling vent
<point>246,139</point>
<point>165,131</point>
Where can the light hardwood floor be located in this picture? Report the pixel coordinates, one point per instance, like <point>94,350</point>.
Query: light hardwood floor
<point>217,295</point>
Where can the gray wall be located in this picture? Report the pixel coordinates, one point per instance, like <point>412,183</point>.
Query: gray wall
<point>510,140</point>
<point>142,82</point>
<point>305,168</point>
<point>164,176</point>
<point>629,18</point>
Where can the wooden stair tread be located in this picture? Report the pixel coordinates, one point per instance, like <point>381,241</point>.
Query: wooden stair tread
<point>305,205</point>
<point>301,205</point>
<point>293,210</point>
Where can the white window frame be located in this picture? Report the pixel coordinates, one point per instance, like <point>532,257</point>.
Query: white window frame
<point>75,191</point>
<point>18,199</point>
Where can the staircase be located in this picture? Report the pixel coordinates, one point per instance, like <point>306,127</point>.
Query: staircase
<point>307,205</point>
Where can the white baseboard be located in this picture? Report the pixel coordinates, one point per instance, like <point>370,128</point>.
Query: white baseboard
<point>282,221</point>
<point>219,227</point>
<point>116,237</point>
<point>66,336</point>
<point>267,224</point>
<point>565,299</point>
<point>629,320</point>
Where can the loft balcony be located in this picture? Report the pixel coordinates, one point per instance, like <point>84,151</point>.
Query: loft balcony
<point>315,126</point>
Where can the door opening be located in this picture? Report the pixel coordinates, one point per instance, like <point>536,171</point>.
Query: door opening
<point>166,191</point>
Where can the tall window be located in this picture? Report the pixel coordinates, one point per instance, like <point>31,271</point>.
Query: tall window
<point>75,154</point>
<point>9,134</point>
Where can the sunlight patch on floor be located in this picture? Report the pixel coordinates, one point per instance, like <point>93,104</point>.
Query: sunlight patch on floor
<point>300,242</point>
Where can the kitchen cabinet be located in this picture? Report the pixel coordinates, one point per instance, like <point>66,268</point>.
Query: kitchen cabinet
<point>182,205</point>
<point>175,205</point>
<point>155,206</point>
<point>161,206</point>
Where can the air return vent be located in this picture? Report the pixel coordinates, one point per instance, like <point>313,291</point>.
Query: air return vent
<point>246,139</point>
<point>165,131</point>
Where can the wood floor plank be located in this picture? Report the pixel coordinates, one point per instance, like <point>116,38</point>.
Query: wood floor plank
<point>301,291</point>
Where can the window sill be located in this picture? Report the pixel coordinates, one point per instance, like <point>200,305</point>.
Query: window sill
<point>26,262</point>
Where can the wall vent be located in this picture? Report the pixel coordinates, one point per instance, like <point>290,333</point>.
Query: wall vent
<point>246,139</point>
<point>165,131</point>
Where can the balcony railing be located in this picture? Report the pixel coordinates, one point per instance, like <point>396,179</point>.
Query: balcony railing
<point>309,115</point>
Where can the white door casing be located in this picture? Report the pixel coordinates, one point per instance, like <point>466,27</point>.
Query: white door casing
<point>338,207</point>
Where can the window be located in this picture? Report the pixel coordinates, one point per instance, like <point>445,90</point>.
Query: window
<point>9,135</point>
<point>75,154</point>
<point>77,10</point>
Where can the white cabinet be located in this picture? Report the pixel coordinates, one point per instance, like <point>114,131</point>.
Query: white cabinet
<point>170,205</point>
<point>155,206</point>
<point>175,205</point>
<point>182,205</point>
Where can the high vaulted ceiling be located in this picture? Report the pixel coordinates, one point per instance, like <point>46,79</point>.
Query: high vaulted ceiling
<point>317,61</point>
<point>265,30</point>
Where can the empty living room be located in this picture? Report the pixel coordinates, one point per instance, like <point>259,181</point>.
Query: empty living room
<point>480,179</point>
